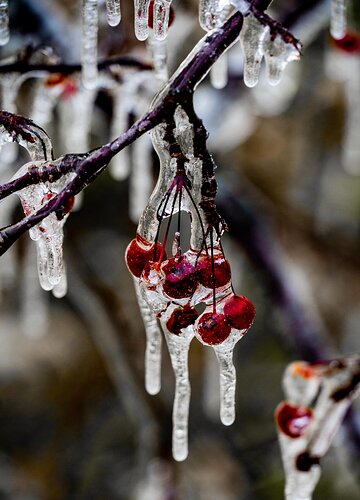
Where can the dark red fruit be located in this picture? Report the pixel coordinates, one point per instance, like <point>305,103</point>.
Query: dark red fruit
<point>181,279</point>
<point>293,420</point>
<point>139,253</point>
<point>69,204</point>
<point>213,328</point>
<point>240,312</point>
<point>181,318</point>
<point>222,270</point>
<point>151,15</point>
<point>350,43</point>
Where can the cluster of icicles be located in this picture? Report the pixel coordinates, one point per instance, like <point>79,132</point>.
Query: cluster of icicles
<point>48,235</point>
<point>169,288</point>
<point>318,397</point>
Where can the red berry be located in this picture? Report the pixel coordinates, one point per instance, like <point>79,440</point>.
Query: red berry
<point>151,15</point>
<point>213,328</point>
<point>222,271</point>
<point>350,43</point>
<point>181,279</point>
<point>139,253</point>
<point>293,420</point>
<point>180,318</point>
<point>240,312</point>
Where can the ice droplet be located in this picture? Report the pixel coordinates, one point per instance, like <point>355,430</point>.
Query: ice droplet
<point>4,22</point>
<point>251,39</point>
<point>338,19</point>
<point>227,383</point>
<point>113,12</point>
<point>89,73</point>
<point>153,344</point>
<point>141,14</point>
<point>277,54</point>
<point>179,349</point>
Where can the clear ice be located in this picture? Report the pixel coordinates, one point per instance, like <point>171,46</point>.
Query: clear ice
<point>4,22</point>
<point>113,12</point>
<point>251,38</point>
<point>141,14</point>
<point>89,73</point>
<point>338,19</point>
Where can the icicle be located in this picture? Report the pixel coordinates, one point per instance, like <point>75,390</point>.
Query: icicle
<point>120,164</point>
<point>89,43</point>
<point>251,39</point>
<point>4,22</point>
<point>113,12</point>
<point>219,73</point>
<point>277,54</point>
<point>44,100</point>
<point>49,233</point>
<point>161,16</point>
<point>318,397</point>
<point>141,176</point>
<point>179,349</point>
<point>153,345</point>
<point>158,51</point>
<point>338,19</point>
<point>227,384</point>
<point>141,14</point>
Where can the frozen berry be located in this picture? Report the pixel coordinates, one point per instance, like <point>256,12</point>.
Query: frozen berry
<point>139,253</point>
<point>222,270</point>
<point>181,279</point>
<point>182,317</point>
<point>151,15</point>
<point>293,420</point>
<point>213,328</point>
<point>350,43</point>
<point>240,312</point>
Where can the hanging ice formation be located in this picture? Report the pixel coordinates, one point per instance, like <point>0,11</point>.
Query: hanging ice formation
<point>170,287</point>
<point>113,12</point>
<point>4,22</point>
<point>338,19</point>
<point>89,43</point>
<point>318,396</point>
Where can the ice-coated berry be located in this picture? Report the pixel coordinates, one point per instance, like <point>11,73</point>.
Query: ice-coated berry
<point>213,328</point>
<point>350,43</point>
<point>222,270</point>
<point>182,317</point>
<point>139,253</point>
<point>293,420</point>
<point>239,312</point>
<point>181,279</point>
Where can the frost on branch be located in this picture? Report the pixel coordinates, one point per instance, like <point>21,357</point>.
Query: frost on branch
<point>318,396</point>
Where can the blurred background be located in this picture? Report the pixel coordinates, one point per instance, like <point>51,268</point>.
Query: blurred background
<point>75,420</point>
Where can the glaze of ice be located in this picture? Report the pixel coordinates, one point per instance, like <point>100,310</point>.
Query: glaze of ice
<point>158,52</point>
<point>227,383</point>
<point>219,73</point>
<point>89,72</point>
<point>178,347</point>
<point>351,146</point>
<point>277,54</point>
<point>141,14</point>
<point>338,19</point>
<point>141,176</point>
<point>113,12</point>
<point>161,18</point>
<point>153,344</point>
<point>251,39</point>
<point>44,100</point>
<point>120,164</point>
<point>4,22</point>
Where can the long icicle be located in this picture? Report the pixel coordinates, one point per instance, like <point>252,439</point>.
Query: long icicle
<point>4,22</point>
<point>113,12</point>
<point>227,383</point>
<point>89,43</point>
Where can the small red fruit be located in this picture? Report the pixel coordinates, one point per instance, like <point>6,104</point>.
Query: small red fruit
<point>181,278</point>
<point>222,271</point>
<point>213,328</point>
<point>293,420</point>
<point>182,317</point>
<point>350,43</point>
<point>139,253</point>
<point>240,312</point>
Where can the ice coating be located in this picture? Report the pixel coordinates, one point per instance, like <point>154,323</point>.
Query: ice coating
<point>324,392</point>
<point>227,384</point>
<point>153,345</point>
<point>113,12</point>
<point>338,19</point>
<point>277,54</point>
<point>89,72</point>
<point>4,22</point>
<point>178,347</point>
<point>141,176</point>
<point>251,38</point>
<point>161,18</point>
<point>48,234</point>
<point>141,13</point>
<point>219,73</point>
<point>158,52</point>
